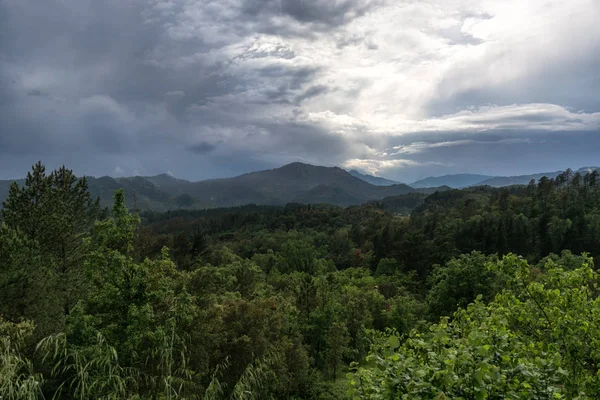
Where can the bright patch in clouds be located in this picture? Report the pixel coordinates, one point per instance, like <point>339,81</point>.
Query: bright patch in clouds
<point>375,166</point>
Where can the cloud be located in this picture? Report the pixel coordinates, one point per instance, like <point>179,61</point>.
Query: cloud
<point>550,117</point>
<point>420,147</point>
<point>235,85</point>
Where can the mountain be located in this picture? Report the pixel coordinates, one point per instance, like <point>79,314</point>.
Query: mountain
<point>296,182</point>
<point>140,192</point>
<point>292,183</point>
<point>459,181</point>
<point>455,181</point>
<point>500,181</point>
<point>168,183</point>
<point>373,180</point>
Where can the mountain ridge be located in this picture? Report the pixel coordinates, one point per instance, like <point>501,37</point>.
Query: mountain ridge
<point>459,181</point>
<point>292,183</point>
<point>295,182</point>
<point>374,180</point>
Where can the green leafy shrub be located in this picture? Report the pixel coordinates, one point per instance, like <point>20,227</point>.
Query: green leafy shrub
<point>538,339</point>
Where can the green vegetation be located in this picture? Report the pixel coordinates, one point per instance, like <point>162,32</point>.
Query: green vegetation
<point>301,301</point>
<point>538,339</point>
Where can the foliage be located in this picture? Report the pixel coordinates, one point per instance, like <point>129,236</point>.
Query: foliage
<point>258,302</point>
<point>537,339</point>
<point>460,281</point>
<point>52,215</point>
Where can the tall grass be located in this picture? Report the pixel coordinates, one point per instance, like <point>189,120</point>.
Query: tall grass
<point>172,377</point>
<point>247,387</point>
<point>94,372</point>
<point>17,377</point>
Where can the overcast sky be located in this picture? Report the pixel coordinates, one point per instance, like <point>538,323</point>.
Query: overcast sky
<point>215,88</point>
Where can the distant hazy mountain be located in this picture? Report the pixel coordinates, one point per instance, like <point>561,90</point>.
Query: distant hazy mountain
<point>294,182</point>
<point>455,181</point>
<point>588,170</point>
<point>373,180</point>
<point>459,181</point>
<point>500,181</point>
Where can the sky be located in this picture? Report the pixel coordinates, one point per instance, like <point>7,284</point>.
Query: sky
<point>213,88</point>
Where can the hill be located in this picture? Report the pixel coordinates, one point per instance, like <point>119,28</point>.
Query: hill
<point>456,181</point>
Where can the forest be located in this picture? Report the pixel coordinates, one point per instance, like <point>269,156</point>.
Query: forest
<point>479,293</point>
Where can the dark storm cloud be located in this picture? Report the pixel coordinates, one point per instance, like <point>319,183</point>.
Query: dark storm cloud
<point>316,143</point>
<point>326,13</point>
<point>76,50</point>
<point>202,148</point>
<point>105,51</point>
<point>37,92</point>
<point>290,82</point>
<point>297,76</point>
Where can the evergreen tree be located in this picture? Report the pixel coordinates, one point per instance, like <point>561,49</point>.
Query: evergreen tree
<point>55,213</point>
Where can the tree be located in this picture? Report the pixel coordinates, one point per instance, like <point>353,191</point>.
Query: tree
<point>142,310</point>
<point>20,280</point>
<point>55,213</point>
<point>337,340</point>
<point>56,210</point>
<point>460,281</point>
<point>298,255</point>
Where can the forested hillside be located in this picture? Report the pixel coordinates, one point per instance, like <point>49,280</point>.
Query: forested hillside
<point>296,182</point>
<point>481,293</point>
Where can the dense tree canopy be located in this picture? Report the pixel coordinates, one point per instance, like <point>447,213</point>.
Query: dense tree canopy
<point>301,301</point>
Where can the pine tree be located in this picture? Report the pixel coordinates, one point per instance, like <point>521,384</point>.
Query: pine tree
<point>55,212</point>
